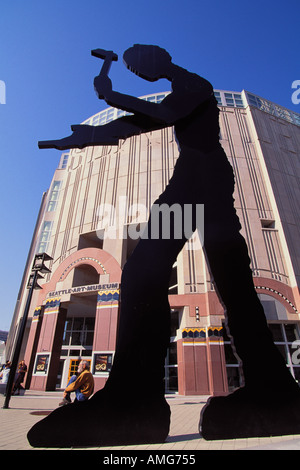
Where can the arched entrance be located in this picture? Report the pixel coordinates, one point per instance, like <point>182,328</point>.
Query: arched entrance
<point>77,320</point>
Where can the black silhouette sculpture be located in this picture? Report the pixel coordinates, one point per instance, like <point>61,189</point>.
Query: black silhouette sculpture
<point>131,408</point>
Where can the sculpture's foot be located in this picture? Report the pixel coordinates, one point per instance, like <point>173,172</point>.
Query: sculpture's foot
<point>83,136</point>
<point>101,421</point>
<point>245,413</point>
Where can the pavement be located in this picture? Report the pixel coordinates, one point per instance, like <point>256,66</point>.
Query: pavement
<point>25,411</point>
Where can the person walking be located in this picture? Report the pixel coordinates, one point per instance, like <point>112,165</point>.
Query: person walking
<point>4,374</point>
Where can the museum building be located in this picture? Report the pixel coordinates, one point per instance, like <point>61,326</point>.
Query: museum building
<point>90,221</point>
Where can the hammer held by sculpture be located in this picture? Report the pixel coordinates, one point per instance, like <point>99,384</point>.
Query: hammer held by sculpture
<point>131,408</point>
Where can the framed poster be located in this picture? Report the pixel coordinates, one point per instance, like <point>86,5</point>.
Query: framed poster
<point>102,362</point>
<point>41,364</point>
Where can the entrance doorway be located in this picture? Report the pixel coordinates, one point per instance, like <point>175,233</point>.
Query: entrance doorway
<point>73,366</point>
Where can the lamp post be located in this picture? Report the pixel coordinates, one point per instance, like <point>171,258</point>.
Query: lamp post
<point>38,266</point>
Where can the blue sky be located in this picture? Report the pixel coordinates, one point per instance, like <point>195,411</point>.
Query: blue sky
<point>48,71</point>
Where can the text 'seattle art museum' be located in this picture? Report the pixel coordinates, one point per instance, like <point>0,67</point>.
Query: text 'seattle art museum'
<point>90,221</point>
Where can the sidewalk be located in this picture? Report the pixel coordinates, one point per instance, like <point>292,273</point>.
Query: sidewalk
<point>25,411</point>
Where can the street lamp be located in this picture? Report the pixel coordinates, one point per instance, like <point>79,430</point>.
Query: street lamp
<point>38,266</point>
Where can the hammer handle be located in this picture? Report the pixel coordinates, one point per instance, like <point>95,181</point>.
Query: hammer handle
<point>106,66</point>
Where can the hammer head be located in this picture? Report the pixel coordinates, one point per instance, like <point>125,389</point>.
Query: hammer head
<point>103,54</point>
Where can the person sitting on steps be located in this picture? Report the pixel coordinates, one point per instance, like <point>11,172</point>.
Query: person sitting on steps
<point>82,384</point>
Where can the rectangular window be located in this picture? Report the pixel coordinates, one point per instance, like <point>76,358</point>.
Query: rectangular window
<point>45,237</point>
<point>54,196</point>
<point>102,119</point>
<point>79,331</point>
<point>64,161</point>
<point>159,98</point>
<point>110,115</point>
<point>239,103</point>
<point>233,364</point>
<point>218,97</point>
<point>286,338</point>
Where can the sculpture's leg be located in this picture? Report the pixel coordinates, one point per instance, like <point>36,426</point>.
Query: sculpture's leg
<point>131,409</point>
<point>264,406</point>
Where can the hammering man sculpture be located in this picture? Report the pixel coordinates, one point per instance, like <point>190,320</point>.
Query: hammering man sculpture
<point>131,408</point>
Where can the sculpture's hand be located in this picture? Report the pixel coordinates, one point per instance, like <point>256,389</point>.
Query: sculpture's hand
<point>83,136</point>
<point>79,139</point>
<point>103,86</point>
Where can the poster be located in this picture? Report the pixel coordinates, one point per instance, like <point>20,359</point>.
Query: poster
<point>102,363</point>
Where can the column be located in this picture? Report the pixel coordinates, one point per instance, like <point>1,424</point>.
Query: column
<point>201,362</point>
<point>49,346</point>
<point>33,338</point>
<point>216,361</point>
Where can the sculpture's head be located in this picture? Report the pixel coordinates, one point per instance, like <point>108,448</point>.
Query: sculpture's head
<point>148,62</point>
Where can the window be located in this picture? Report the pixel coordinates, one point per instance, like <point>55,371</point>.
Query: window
<point>110,115</point>
<point>227,98</point>
<point>171,369</point>
<point>273,109</point>
<point>238,100</point>
<point>159,98</point>
<point>286,337</point>
<point>234,99</point>
<point>171,366</point>
<point>78,336</point>
<point>64,161</point>
<point>267,223</point>
<point>218,97</point>
<point>155,98</point>
<point>296,118</point>
<point>45,237</point>
<point>102,118</point>
<point>120,113</point>
<point>54,195</point>
<point>173,283</point>
<point>95,120</point>
<point>233,365</point>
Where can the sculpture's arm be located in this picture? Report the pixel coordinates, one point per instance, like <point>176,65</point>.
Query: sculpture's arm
<point>108,134</point>
<point>177,105</point>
